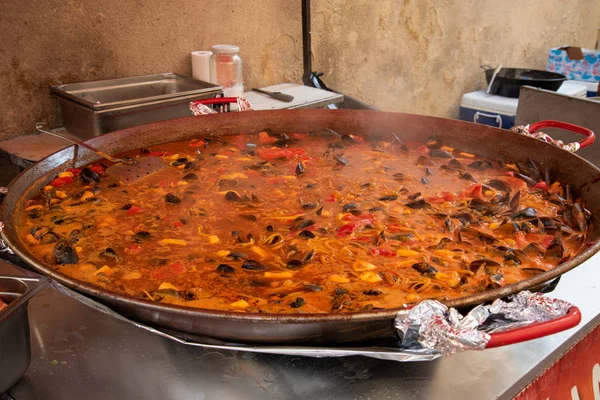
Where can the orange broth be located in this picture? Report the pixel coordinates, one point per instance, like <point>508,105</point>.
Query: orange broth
<point>319,224</point>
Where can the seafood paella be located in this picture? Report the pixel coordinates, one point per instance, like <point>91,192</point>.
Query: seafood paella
<point>306,223</point>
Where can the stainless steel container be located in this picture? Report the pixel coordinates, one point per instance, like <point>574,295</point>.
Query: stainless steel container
<point>15,353</point>
<point>93,108</point>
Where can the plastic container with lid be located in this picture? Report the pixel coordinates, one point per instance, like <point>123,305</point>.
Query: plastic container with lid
<point>226,69</point>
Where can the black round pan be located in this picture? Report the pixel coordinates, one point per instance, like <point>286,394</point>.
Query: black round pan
<point>508,81</point>
<point>294,328</point>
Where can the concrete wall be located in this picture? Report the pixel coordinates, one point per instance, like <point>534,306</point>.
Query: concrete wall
<point>419,56</point>
<point>414,56</point>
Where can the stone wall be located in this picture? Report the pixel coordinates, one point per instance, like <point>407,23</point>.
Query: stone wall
<point>412,55</point>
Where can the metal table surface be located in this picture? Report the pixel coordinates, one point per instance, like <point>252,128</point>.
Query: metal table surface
<point>80,353</point>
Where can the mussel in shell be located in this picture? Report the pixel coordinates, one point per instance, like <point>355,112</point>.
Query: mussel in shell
<point>88,176</point>
<point>64,253</point>
<point>438,153</point>
<point>554,253</point>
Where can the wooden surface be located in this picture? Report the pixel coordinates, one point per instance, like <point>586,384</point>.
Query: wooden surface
<point>304,97</point>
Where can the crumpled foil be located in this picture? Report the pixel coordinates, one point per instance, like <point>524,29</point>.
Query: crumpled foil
<point>524,309</point>
<point>433,326</point>
<point>197,108</point>
<point>524,130</point>
<point>3,246</point>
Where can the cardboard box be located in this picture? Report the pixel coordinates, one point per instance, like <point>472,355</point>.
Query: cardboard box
<point>575,62</point>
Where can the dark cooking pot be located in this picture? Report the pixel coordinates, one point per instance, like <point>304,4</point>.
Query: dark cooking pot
<point>508,81</point>
<point>316,328</point>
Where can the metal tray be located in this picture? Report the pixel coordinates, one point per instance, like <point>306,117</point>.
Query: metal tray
<point>93,108</point>
<point>15,352</point>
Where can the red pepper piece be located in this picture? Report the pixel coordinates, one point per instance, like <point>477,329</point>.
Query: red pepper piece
<point>383,252</point>
<point>75,171</point>
<point>331,199</point>
<point>178,224</point>
<point>473,192</point>
<point>541,185</point>
<point>445,196</point>
<point>347,230</point>
<point>134,210</point>
<point>290,152</point>
<point>58,182</point>
<point>99,169</point>
<point>198,143</point>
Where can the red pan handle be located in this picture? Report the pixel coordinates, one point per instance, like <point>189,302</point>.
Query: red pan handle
<point>538,330</point>
<point>568,127</point>
<point>217,100</point>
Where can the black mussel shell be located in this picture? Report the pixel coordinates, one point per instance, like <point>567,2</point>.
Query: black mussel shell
<point>88,176</point>
<point>481,165</point>
<point>232,196</point>
<point>64,253</point>
<point>437,153</point>
<point>225,269</point>
<point>252,265</point>
<point>172,199</point>
<point>190,177</point>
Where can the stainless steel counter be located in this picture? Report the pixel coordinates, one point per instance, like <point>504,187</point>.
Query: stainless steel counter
<point>80,353</point>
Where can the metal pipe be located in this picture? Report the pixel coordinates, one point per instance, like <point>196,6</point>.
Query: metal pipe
<point>306,48</point>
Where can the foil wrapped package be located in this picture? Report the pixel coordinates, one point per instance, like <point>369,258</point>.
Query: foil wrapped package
<point>433,326</point>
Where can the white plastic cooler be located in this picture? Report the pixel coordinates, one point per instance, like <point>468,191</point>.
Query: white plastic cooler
<point>499,111</point>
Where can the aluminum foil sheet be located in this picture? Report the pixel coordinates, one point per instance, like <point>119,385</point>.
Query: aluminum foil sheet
<point>197,108</point>
<point>429,330</point>
<point>524,130</point>
<point>3,246</point>
<point>433,326</point>
<point>524,309</point>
